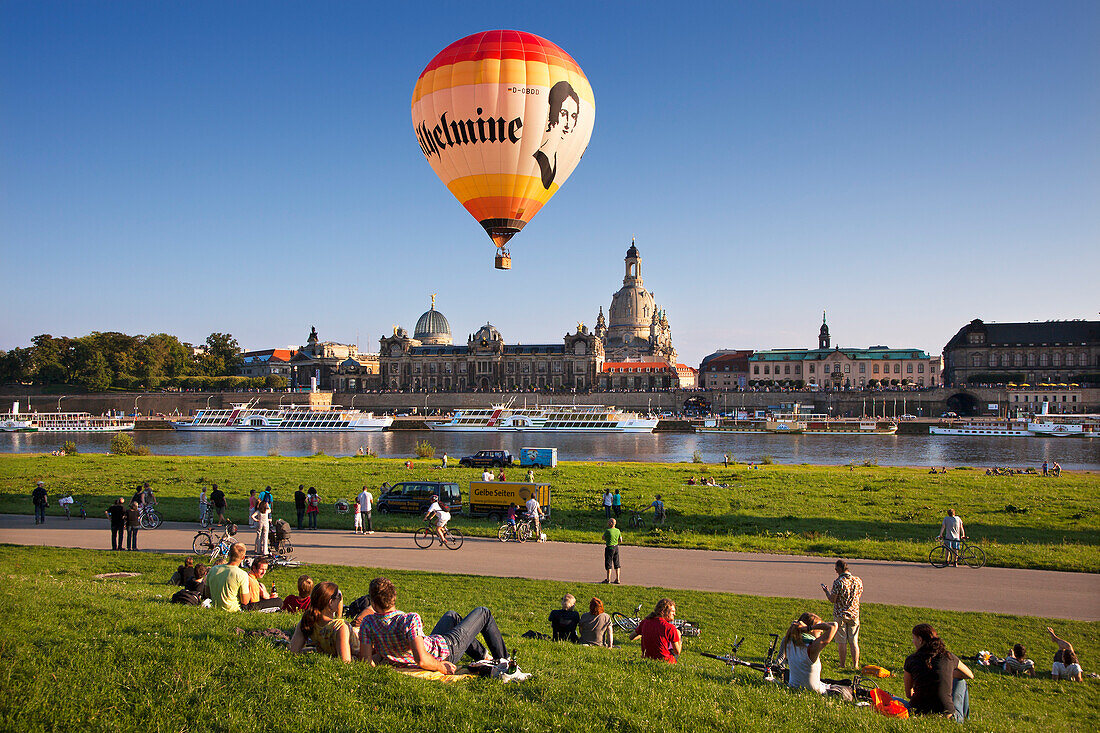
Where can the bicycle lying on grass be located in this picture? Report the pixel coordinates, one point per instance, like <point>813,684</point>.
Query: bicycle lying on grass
<point>630,623</point>
<point>425,537</point>
<point>969,554</point>
<point>769,666</point>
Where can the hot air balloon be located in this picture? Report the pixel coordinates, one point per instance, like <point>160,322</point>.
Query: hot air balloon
<point>503,118</point>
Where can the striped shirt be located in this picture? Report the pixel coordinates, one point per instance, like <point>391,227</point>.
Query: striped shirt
<point>392,635</point>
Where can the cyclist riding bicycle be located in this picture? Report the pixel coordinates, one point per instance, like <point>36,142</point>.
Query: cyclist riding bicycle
<point>438,512</point>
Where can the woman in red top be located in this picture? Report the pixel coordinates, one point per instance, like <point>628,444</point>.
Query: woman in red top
<point>660,639</point>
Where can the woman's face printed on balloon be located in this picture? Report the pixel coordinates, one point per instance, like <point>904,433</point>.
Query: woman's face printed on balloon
<point>567,117</point>
<point>564,108</point>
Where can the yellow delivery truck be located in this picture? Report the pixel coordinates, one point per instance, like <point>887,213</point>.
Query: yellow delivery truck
<point>492,498</point>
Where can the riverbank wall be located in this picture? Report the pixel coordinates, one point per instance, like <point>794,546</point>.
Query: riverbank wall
<point>924,403</point>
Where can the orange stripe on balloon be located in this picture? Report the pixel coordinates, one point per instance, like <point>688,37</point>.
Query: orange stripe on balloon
<point>500,208</point>
<point>498,185</point>
<point>498,71</point>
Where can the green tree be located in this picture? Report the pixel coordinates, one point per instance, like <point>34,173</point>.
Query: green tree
<point>275,381</point>
<point>95,375</point>
<point>46,360</point>
<point>223,355</point>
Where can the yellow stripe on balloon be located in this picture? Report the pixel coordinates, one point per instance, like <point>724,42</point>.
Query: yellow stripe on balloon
<point>500,184</point>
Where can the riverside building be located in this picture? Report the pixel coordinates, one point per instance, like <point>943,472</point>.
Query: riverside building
<point>1031,353</point>
<point>843,367</point>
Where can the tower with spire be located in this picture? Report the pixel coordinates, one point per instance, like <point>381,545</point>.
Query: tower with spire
<point>636,327</point>
<point>823,334</point>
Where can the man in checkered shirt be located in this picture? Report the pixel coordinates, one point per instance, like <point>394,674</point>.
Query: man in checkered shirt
<point>398,638</point>
<point>844,595</point>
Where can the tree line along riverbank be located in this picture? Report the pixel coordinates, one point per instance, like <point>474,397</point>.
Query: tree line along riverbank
<point>870,512</point>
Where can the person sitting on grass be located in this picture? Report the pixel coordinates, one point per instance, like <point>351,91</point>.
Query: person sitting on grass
<point>564,620</point>
<point>806,638</point>
<point>1018,663</point>
<point>300,602</point>
<point>323,624</point>
<point>1066,666</point>
<point>595,626</point>
<point>660,639</point>
<point>228,584</point>
<point>397,638</point>
<point>935,679</point>
<point>262,599</point>
<point>184,573</point>
<point>197,584</point>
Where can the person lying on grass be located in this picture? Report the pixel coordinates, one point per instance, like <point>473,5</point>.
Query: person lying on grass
<point>1066,666</point>
<point>323,625</point>
<point>806,638</point>
<point>1018,663</point>
<point>397,638</point>
<point>935,679</point>
<point>660,639</point>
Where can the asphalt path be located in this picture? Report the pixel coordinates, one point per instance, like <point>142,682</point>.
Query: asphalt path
<point>996,590</point>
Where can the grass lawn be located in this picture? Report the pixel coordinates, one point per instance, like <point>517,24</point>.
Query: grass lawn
<point>867,512</point>
<point>82,654</point>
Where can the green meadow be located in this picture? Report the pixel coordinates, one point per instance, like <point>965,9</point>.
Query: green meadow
<point>847,511</point>
<point>114,655</point>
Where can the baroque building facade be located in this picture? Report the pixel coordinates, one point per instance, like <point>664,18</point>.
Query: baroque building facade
<point>844,367</point>
<point>430,361</point>
<point>1032,353</point>
<point>636,328</point>
<point>335,366</point>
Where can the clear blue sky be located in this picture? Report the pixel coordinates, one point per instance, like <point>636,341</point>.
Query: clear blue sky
<point>251,167</point>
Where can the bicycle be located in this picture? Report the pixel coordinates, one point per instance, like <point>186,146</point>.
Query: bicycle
<point>149,518</point>
<point>71,506</point>
<point>969,554</point>
<point>205,542</point>
<point>343,506</point>
<point>425,537</point>
<point>769,666</point>
<point>518,532</point>
<point>630,623</point>
<point>206,516</point>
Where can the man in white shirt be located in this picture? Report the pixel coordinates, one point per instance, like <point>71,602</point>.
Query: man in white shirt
<point>487,475</point>
<point>535,512</point>
<point>366,504</point>
<point>440,515</point>
<point>608,499</point>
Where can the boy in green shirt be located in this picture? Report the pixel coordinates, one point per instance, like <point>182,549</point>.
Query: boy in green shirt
<point>611,538</point>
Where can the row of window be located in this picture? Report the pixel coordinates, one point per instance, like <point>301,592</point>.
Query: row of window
<point>1045,398</point>
<point>837,369</point>
<point>1045,358</point>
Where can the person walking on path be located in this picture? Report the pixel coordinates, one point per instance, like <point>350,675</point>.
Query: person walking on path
<point>607,499</point>
<point>41,500</point>
<point>952,533</point>
<point>117,514</point>
<point>133,524</point>
<point>366,506</point>
<point>217,498</point>
<point>313,506</point>
<point>300,504</point>
<point>617,503</point>
<point>202,504</point>
<point>262,517</point>
<point>611,538</point>
<point>844,595</point>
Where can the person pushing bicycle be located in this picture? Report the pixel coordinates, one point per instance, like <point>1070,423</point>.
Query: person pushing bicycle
<point>952,533</point>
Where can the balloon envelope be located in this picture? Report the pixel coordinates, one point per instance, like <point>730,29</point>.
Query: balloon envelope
<point>503,117</point>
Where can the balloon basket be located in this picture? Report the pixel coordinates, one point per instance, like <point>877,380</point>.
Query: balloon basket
<point>503,261</point>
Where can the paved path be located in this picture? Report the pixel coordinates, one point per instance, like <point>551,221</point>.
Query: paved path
<point>998,590</point>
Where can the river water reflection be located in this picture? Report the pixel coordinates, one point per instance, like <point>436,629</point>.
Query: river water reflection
<point>893,450</point>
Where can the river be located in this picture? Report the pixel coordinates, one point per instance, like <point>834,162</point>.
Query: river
<point>892,450</point>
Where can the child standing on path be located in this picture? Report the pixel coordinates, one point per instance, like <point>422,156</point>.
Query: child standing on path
<point>313,506</point>
<point>358,517</point>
